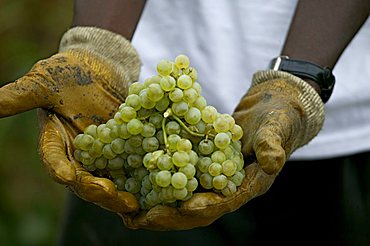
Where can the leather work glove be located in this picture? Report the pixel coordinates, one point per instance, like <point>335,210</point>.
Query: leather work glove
<point>82,84</point>
<point>279,113</point>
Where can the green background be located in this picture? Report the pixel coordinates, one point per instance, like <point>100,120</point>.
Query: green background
<point>31,203</point>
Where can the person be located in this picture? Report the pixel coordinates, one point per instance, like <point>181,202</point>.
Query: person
<point>322,192</point>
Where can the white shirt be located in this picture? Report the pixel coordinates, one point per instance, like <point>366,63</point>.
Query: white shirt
<point>227,41</point>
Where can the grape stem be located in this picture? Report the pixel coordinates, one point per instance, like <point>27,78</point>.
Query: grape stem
<point>169,113</point>
<point>165,133</point>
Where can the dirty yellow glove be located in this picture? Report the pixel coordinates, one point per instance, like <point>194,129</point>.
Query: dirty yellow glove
<point>279,113</point>
<point>82,84</point>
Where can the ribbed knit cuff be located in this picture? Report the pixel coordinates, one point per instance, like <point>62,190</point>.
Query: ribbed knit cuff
<point>111,47</point>
<point>310,99</point>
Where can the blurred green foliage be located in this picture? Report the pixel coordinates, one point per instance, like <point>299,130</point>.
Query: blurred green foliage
<point>31,203</point>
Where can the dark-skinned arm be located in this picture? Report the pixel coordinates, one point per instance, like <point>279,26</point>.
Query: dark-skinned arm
<point>119,16</point>
<point>322,29</point>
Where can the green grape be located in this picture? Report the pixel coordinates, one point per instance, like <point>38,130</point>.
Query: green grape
<point>133,101</point>
<point>135,88</point>
<point>184,82</point>
<point>145,182</point>
<point>145,102</point>
<point>209,114</point>
<point>118,145</point>
<point>237,178</point>
<point>117,118</point>
<point>135,160</point>
<point>135,140</point>
<point>101,163</point>
<point>205,181</point>
<point>237,132</point>
<point>152,198</point>
<point>156,120</point>
<point>120,182</point>
<point>116,173</point>
<point>148,130</point>
<point>204,163</point>
<point>167,83</point>
<point>160,137</point>
<point>167,194</point>
<point>155,92</point>
<point>114,131</point>
<point>180,158</point>
<point>140,151</point>
<point>192,184</point>
<point>193,116</point>
<point>104,134</point>
<point>172,142</point>
<point>215,169</point>
<point>163,178</point>
<point>123,132</point>
<point>200,103</point>
<point>115,163</point>
<point>132,185</point>
<point>128,113</point>
<point>108,152</point>
<point>164,162</point>
<point>222,140</point>
<point>189,170</point>
<point>96,149</point>
<point>164,67</point>
<point>201,127</point>
<point>150,144</point>
<point>83,141</point>
<point>218,156</point>
<point>77,154</point>
<point>92,131</point>
<point>172,127</point>
<point>176,95</point>
<point>155,79</point>
<point>144,191</point>
<point>163,104</point>
<point>129,149</point>
<point>228,151</point>
<point>90,168</point>
<point>182,62</point>
<point>237,145</point>
<point>86,159</point>
<point>184,145</point>
<point>229,189</point>
<point>196,86</point>
<point>219,182</point>
<point>135,126</point>
<point>230,120</point>
<point>193,157</point>
<point>180,108</point>
<point>180,194</point>
<point>229,168</point>
<point>179,180</point>
<point>190,95</point>
<point>206,146</point>
<point>221,124</point>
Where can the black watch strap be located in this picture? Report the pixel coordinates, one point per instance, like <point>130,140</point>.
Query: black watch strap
<point>323,76</point>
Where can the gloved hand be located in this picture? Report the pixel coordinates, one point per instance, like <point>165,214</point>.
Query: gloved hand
<point>83,84</point>
<point>279,113</point>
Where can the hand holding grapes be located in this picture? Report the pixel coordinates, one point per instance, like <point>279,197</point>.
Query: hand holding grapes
<point>83,84</point>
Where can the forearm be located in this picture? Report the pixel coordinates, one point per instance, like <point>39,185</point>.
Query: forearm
<point>321,29</point>
<point>119,16</point>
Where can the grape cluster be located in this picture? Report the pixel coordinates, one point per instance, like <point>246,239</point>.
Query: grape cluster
<point>165,142</point>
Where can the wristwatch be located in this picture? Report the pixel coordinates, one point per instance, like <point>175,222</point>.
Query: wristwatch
<point>323,76</point>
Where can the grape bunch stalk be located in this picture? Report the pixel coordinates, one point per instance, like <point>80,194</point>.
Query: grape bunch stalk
<point>164,142</point>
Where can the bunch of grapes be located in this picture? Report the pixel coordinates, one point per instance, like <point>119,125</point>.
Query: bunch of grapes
<point>165,142</point>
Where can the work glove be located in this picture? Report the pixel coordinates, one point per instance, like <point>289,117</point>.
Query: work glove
<point>279,113</point>
<point>83,84</point>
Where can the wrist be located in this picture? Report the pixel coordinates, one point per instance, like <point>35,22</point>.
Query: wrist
<point>320,78</point>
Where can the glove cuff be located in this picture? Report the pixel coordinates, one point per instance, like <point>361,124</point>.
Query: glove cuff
<point>111,47</point>
<point>310,99</point>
